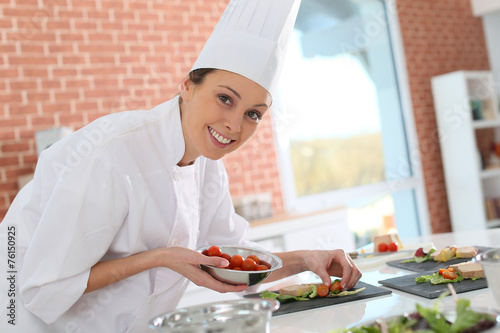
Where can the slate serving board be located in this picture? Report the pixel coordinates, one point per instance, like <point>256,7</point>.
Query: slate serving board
<point>295,306</point>
<point>407,284</point>
<point>431,265</point>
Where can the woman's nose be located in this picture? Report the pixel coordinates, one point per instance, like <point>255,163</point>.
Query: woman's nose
<point>233,122</point>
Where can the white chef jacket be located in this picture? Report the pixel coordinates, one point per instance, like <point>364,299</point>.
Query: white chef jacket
<point>110,190</point>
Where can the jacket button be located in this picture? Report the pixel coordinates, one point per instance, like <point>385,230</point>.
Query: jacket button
<point>176,175</point>
<point>175,242</point>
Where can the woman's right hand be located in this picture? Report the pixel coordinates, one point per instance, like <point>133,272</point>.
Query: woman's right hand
<point>187,263</point>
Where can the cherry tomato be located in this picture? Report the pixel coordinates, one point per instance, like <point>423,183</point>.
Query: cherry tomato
<point>393,247</point>
<point>449,275</point>
<point>382,247</point>
<point>248,265</point>
<point>254,258</point>
<point>204,252</point>
<point>227,257</point>
<point>214,251</point>
<point>336,286</point>
<point>236,261</point>
<point>237,268</point>
<point>262,262</point>
<point>322,290</point>
<point>261,268</point>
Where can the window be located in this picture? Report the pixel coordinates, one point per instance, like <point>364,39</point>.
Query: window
<point>342,132</point>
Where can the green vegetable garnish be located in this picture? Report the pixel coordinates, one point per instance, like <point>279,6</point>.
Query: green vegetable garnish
<point>465,319</point>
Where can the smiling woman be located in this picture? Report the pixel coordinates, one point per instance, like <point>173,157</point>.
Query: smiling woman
<point>220,112</point>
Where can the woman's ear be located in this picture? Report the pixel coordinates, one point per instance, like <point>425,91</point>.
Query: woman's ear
<point>186,87</point>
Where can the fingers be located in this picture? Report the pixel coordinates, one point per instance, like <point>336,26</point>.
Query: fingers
<point>215,261</point>
<point>350,273</point>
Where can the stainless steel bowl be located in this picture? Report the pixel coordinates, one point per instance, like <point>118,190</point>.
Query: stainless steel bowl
<point>249,278</point>
<point>490,260</point>
<point>240,316</point>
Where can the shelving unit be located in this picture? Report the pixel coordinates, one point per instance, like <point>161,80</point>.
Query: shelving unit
<point>457,96</point>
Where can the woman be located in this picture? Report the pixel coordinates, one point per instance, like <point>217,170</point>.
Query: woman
<point>107,230</point>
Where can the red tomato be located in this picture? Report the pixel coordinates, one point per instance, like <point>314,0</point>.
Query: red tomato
<point>237,268</point>
<point>262,262</point>
<point>393,247</point>
<point>336,286</point>
<point>248,265</point>
<point>204,252</point>
<point>323,290</point>
<point>382,247</point>
<point>228,258</point>
<point>261,268</point>
<point>254,258</point>
<point>236,261</point>
<point>449,275</point>
<point>214,251</point>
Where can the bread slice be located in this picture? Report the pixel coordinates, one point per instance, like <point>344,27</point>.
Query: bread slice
<point>466,252</point>
<point>296,289</point>
<point>471,270</point>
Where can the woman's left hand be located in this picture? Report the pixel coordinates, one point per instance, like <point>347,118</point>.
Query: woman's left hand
<point>327,263</point>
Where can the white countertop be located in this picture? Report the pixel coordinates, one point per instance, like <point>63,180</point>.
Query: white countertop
<point>321,320</point>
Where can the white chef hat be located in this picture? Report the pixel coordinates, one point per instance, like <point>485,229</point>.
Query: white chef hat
<point>250,39</point>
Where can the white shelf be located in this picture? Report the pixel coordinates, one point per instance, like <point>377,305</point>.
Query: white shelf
<point>493,223</point>
<point>489,173</point>
<point>478,124</point>
<point>467,186</point>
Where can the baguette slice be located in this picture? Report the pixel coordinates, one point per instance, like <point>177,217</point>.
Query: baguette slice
<point>466,252</point>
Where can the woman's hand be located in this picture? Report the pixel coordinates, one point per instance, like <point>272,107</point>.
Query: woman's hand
<point>186,262</point>
<point>325,263</point>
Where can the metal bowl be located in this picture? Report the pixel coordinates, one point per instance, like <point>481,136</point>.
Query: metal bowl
<point>249,278</point>
<point>490,260</point>
<point>242,316</point>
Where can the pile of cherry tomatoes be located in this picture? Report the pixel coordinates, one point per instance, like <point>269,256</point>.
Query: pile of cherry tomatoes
<point>237,262</point>
<point>384,247</point>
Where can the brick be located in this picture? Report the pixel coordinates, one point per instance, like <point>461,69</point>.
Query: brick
<point>16,173</point>
<point>70,119</point>
<point>46,121</point>
<point>30,159</point>
<point>8,161</point>
<point>38,96</point>
<point>23,85</point>
<point>67,95</point>
<point>42,60</point>
<point>14,147</point>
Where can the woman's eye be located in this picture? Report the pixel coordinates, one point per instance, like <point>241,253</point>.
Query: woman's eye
<point>254,115</point>
<point>224,99</point>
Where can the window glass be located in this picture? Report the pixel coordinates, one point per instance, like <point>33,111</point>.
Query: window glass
<point>338,118</point>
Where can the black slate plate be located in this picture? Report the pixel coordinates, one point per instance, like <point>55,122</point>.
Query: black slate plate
<point>295,306</point>
<point>407,284</point>
<point>431,265</point>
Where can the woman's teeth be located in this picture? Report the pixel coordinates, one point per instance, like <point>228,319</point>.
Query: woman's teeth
<point>219,137</point>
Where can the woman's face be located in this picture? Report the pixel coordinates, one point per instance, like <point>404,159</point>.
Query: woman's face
<point>221,114</point>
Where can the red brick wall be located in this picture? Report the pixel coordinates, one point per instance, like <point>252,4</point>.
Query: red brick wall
<point>439,37</point>
<point>65,63</point>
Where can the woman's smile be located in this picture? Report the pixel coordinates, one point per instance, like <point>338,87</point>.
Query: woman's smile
<point>218,139</point>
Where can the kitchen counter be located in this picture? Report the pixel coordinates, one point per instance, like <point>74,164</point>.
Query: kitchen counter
<point>322,320</point>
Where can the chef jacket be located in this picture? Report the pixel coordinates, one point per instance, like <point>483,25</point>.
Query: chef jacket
<point>107,191</point>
